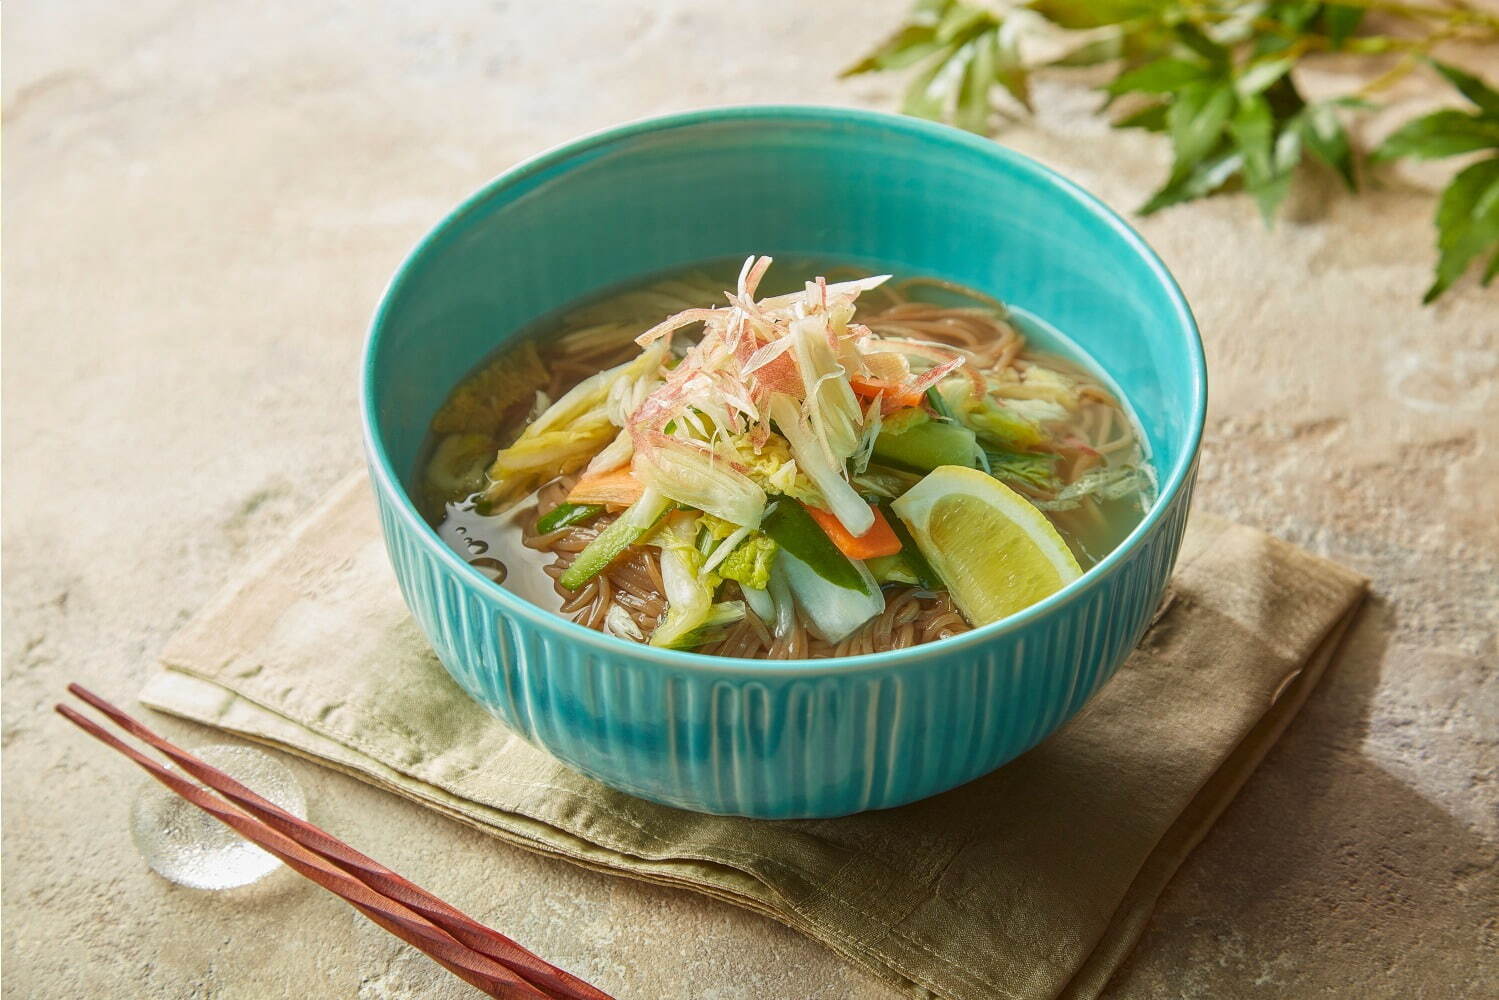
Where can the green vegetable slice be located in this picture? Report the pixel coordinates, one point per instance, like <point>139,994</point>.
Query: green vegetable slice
<point>567,514</point>
<point>909,551</point>
<point>892,569</point>
<point>938,403</point>
<point>720,617</point>
<point>1002,425</point>
<point>792,528</point>
<point>627,529</point>
<point>925,446</point>
<point>831,612</point>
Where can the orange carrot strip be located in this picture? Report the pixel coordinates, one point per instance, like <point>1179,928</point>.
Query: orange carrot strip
<point>897,394</point>
<point>879,540</point>
<point>616,488</point>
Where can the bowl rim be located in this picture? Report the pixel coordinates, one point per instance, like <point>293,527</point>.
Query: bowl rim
<point>1177,479</point>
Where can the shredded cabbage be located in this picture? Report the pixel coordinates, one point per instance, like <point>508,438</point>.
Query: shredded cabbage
<point>1003,424</point>
<point>750,562</point>
<point>618,621</point>
<point>569,433</point>
<point>775,470</point>
<point>1037,411</point>
<point>614,454</point>
<point>1109,482</point>
<point>1040,382</point>
<point>689,591</point>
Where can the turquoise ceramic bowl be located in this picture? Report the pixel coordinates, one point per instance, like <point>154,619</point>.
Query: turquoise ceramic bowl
<point>754,737</point>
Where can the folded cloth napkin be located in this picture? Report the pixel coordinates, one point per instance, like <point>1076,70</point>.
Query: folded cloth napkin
<point>1032,882</point>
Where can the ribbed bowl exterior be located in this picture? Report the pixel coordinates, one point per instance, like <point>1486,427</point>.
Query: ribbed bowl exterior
<point>751,737</point>
<point>784,745</point>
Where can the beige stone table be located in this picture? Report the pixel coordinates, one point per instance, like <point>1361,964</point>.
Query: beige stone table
<point>202,202</point>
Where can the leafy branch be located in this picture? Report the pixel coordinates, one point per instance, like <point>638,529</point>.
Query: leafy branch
<point>1218,79</point>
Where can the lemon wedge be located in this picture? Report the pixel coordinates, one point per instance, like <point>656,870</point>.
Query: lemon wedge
<point>996,553</point>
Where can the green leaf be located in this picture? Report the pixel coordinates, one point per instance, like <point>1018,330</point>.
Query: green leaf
<point>1288,148</point>
<point>1474,89</point>
<point>906,47</point>
<point>920,99</point>
<point>978,77</point>
<point>1238,24</point>
<point>1327,140</point>
<point>1442,133</point>
<point>929,12</point>
<point>1287,156</point>
<point>1285,100</point>
<point>960,22</point>
<point>1253,130</point>
<point>1196,119</point>
<point>1008,69</point>
<point>1201,179</point>
<point>1269,161</point>
<point>1219,57</point>
<point>1295,16</point>
<point>1467,223</point>
<point>1164,76</point>
<point>1100,50</point>
<point>931,90</point>
<point>1492,269</point>
<point>1258,76</point>
<point>1341,21</point>
<point>1078,15</point>
<point>1152,118</point>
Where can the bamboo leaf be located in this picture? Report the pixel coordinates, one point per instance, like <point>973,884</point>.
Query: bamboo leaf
<point>960,22</point>
<point>1079,15</point>
<point>1007,66</point>
<point>978,77</point>
<point>927,93</point>
<point>906,47</point>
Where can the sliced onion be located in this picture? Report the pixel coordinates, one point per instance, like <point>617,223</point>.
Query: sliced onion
<point>695,477</point>
<point>847,506</point>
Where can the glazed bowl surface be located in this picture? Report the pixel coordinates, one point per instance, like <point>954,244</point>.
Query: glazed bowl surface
<point>762,738</point>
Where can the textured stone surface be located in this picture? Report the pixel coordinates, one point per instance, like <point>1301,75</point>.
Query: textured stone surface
<point>201,204</point>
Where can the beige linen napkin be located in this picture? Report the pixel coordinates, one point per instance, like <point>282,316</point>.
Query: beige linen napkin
<point>1032,882</point>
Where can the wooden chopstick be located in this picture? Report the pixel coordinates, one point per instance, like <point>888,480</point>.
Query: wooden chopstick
<point>475,953</point>
<point>464,928</point>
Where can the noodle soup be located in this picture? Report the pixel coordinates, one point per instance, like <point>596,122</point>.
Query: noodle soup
<point>786,462</point>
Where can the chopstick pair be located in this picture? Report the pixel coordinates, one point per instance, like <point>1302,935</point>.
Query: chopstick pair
<point>479,955</point>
